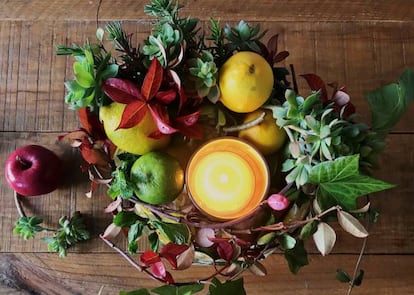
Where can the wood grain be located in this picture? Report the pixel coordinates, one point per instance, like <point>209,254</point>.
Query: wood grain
<point>108,273</point>
<point>362,44</point>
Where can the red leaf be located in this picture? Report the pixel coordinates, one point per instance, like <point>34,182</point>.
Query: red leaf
<point>225,250</point>
<point>183,99</point>
<point>160,116</point>
<point>316,83</point>
<point>133,113</point>
<point>94,156</point>
<point>194,131</point>
<point>167,96</point>
<point>170,252</point>
<point>90,122</point>
<point>168,278</point>
<point>189,119</point>
<point>280,56</point>
<point>158,269</point>
<point>272,45</point>
<point>152,80</point>
<point>122,90</point>
<point>149,257</point>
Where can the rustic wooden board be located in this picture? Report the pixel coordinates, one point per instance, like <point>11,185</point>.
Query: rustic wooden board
<point>106,274</point>
<point>361,44</point>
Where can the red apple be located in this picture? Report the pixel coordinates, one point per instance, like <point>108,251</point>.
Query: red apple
<point>33,170</point>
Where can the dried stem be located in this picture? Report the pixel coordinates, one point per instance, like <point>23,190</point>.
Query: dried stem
<point>246,125</point>
<point>18,204</point>
<point>358,263</point>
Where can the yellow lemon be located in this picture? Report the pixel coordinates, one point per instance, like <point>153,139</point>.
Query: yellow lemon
<point>266,136</point>
<point>246,82</point>
<point>134,140</point>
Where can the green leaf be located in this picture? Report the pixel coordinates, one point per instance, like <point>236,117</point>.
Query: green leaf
<point>178,290</point>
<point>296,257</point>
<point>125,218</point>
<point>135,231</point>
<point>308,230</point>
<point>287,242</point>
<point>342,276</point>
<point>27,227</point>
<point>390,102</point>
<point>359,278</point>
<point>135,292</point>
<point>340,180</point>
<point>229,287</point>
<point>175,232</point>
<point>154,241</point>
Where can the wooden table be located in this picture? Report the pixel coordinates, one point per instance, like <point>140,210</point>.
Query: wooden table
<point>361,43</point>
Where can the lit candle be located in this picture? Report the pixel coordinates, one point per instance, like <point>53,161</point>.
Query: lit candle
<point>227,178</point>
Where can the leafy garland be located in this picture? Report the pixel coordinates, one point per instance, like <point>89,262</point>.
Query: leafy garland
<point>174,77</point>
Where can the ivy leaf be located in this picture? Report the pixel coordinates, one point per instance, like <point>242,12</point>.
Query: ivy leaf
<point>390,102</point>
<point>178,290</point>
<point>229,287</point>
<point>340,180</point>
<point>296,257</point>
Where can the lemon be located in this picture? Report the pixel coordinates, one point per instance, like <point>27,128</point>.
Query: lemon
<point>266,136</point>
<point>134,140</point>
<point>245,81</point>
<point>158,178</point>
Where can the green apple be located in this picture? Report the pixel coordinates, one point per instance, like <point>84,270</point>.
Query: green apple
<point>158,178</point>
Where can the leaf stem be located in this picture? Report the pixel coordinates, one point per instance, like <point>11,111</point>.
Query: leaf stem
<point>246,125</point>
<point>18,204</point>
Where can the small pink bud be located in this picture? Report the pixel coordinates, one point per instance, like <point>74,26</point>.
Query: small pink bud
<point>278,202</point>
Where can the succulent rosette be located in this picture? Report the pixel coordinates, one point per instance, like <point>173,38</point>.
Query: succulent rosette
<point>319,171</point>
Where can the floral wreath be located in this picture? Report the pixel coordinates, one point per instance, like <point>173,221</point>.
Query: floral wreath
<point>175,80</point>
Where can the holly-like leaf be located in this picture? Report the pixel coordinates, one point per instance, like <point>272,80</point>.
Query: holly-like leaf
<point>122,90</point>
<point>340,180</point>
<point>152,80</point>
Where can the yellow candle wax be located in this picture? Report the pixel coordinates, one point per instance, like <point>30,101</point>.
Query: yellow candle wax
<point>227,178</point>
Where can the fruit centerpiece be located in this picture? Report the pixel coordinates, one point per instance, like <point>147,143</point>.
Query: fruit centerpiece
<point>211,155</point>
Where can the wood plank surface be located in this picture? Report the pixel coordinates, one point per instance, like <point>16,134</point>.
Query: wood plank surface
<point>362,44</point>
<point>106,274</point>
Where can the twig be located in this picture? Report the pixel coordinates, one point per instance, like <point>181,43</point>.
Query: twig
<point>18,205</point>
<point>129,259</point>
<point>246,125</point>
<point>354,275</point>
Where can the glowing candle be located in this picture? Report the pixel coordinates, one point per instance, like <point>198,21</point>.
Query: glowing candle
<point>227,178</point>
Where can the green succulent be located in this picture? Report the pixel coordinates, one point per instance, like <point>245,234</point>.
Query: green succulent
<point>318,133</point>
<point>244,37</point>
<point>91,68</point>
<point>205,76</point>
